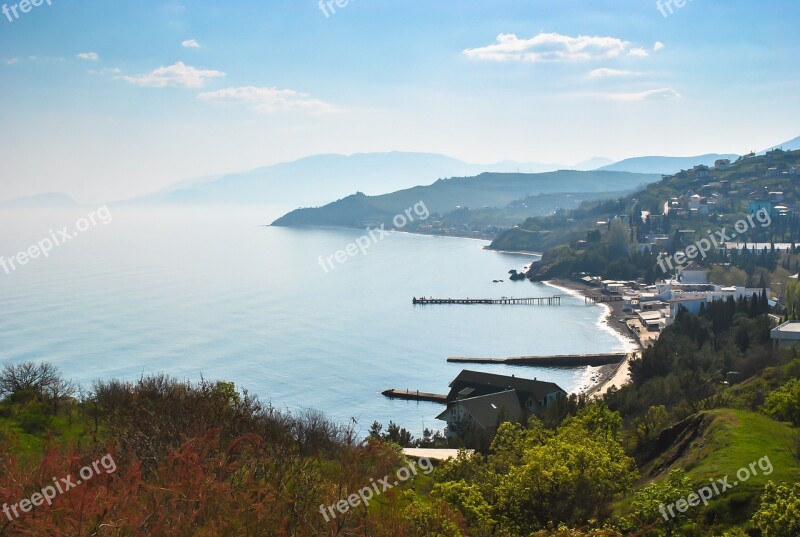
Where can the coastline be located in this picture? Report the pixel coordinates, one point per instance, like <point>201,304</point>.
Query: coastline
<point>597,380</point>
<point>520,252</point>
<point>600,379</point>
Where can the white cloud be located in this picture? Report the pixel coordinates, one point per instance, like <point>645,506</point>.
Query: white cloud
<point>658,46</point>
<point>639,52</point>
<point>663,94</point>
<point>91,56</point>
<point>11,61</point>
<point>267,100</point>
<point>550,47</point>
<point>190,43</point>
<point>605,73</point>
<point>177,75</point>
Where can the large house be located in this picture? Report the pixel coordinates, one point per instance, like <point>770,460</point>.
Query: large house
<point>786,335</point>
<point>486,400</point>
<point>693,274</point>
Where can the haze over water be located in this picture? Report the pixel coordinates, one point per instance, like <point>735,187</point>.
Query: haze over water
<point>214,292</point>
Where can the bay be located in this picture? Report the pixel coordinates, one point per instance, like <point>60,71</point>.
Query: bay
<point>215,293</point>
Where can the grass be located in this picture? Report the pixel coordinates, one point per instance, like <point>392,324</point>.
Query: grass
<point>30,426</point>
<point>733,440</point>
<point>737,438</point>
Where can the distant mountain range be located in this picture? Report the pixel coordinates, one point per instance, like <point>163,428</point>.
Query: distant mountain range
<point>323,178</point>
<point>320,179</point>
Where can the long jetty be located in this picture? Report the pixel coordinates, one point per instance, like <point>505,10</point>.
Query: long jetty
<point>533,301</point>
<point>415,395</point>
<point>558,360</point>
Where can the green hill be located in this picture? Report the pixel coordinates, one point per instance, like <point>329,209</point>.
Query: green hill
<point>728,188</point>
<point>718,443</point>
<point>664,165</point>
<point>492,190</point>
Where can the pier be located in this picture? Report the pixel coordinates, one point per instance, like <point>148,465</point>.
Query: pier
<point>558,360</point>
<point>534,301</point>
<point>412,395</point>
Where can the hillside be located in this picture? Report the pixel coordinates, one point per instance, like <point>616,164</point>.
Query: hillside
<point>791,145</point>
<point>493,190</point>
<point>723,194</point>
<point>664,165</point>
<point>716,443</point>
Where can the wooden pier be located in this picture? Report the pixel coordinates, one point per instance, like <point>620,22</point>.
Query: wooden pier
<point>558,360</point>
<point>411,395</point>
<point>534,301</point>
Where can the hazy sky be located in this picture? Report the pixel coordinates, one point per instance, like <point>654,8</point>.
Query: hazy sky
<point>108,99</point>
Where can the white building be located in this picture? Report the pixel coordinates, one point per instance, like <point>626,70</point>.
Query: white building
<point>694,274</point>
<point>786,335</point>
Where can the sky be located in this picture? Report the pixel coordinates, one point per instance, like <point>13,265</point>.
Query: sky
<point>106,100</point>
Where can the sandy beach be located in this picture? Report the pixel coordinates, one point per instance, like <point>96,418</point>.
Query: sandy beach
<point>604,377</point>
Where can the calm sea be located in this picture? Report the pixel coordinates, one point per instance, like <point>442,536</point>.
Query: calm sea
<point>214,292</point>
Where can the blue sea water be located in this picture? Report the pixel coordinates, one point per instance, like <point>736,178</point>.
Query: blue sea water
<point>216,293</point>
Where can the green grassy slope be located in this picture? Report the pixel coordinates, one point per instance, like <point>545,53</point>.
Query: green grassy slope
<point>718,443</point>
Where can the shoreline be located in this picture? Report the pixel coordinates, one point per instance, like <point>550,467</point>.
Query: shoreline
<point>519,252</point>
<point>597,379</point>
<point>603,377</point>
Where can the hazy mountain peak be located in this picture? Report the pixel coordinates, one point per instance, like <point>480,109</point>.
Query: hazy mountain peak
<point>791,145</point>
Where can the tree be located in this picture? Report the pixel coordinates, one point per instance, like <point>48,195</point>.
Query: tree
<point>619,243</point>
<point>784,403</point>
<point>400,436</point>
<point>650,504</point>
<point>26,376</point>
<point>779,512</point>
<point>792,299</point>
<point>652,422</point>
<point>41,381</point>
<point>469,500</point>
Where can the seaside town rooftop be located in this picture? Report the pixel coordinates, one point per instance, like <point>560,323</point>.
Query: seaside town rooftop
<point>786,335</point>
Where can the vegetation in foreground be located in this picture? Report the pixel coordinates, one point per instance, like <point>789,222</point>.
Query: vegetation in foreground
<point>206,459</point>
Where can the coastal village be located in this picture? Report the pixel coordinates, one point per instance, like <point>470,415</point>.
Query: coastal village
<point>484,400</point>
<point>638,310</point>
<point>649,309</point>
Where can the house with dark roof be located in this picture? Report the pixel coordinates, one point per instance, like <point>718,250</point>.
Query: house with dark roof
<point>487,412</point>
<point>486,400</point>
